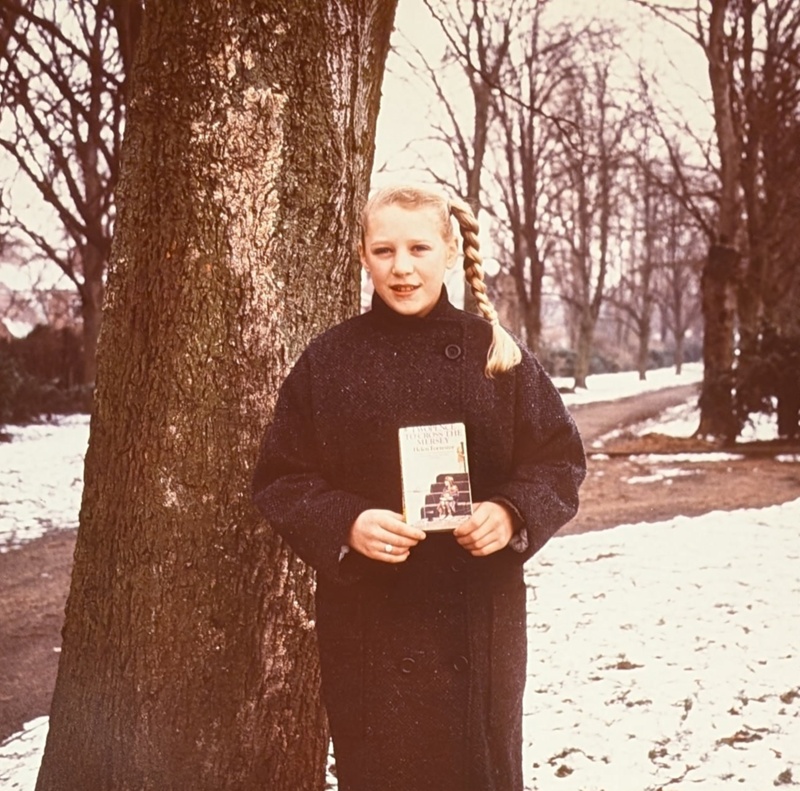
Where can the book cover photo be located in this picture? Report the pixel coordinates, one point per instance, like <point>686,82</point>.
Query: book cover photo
<point>435,471</point>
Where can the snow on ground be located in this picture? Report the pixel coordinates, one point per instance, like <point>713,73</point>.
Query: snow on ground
<point>682,421</point>
<point>604,387</point>
<point>20,756</point>
<point>41,479</point>
<point>663,654</point>
<point>667,654</point>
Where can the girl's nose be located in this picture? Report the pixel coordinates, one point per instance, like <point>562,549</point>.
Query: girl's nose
<point>402,264</point>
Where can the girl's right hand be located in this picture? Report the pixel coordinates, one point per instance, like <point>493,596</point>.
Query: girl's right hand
<point>383,535</point>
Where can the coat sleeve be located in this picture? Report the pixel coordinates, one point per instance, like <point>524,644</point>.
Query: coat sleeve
<point>313,517</point>
<point>549,463</point>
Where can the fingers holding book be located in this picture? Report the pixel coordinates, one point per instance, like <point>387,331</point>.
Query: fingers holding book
<point>383,535</point>
<point>488,530</point>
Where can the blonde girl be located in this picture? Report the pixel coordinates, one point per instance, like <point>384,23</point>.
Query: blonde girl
<point>422,636</point>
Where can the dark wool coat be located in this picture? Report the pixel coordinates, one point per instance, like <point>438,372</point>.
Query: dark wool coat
<point>423,662</point>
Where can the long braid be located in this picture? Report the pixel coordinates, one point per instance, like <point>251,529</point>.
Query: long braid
<point>504,353</point>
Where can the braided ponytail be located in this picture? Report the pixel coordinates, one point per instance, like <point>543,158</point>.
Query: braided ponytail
<point>504,353</point>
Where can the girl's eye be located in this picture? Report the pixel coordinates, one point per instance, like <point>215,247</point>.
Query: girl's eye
<point>381,251</point>
<point>421,248</point>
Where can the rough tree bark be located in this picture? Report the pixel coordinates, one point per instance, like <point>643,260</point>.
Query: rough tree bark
<point>188,659</point>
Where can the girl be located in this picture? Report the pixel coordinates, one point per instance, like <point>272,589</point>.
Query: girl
<point>448,498</point>
<point>422,637</point>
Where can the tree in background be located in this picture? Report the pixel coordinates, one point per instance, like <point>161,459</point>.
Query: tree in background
<point>478,38</point>
<point>62,93</point>
<point>678,291</point>
<point>591,158</point>
<point>634,293</point>
<point>189,660</point>
<point>528,137</point>
<point>656,275</point>
<point>751,48</point>
<point>509,63</point>
<point>768,72</point>
<point>516,70</point>
<point>724,254</point>
<point>676,165</point>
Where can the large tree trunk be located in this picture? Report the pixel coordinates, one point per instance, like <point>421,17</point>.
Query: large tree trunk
<point>720,271</point>
<point>189,659</point>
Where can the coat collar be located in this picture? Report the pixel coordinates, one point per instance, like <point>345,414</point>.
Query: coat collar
<point>383,315</point>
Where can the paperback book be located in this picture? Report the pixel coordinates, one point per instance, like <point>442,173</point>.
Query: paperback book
<point>435,471</point>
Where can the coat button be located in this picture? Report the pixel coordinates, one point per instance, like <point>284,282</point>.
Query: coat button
<point>460,664</point>
<point>406,664</point>
<point>452,352</point>
<point>458,564</point>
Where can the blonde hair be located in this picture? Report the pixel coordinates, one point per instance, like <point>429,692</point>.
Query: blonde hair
<point>504,354</point>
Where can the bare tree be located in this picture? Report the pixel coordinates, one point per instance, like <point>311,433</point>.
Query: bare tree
<point>683,174</point>
<point>633,295</point>
<point>479,36</point>
<point>679,278</point>
<point>588,198</point>
<point>528,139</point>
<point>659,270</point>
<point>188,659</point>
<point>768,101</point>
<point>706,25</point>
<point>62,77</point>
<point>768,72</point>
<point>724,255</point>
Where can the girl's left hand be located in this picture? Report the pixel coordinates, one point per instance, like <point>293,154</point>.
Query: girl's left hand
<point>488,530</point>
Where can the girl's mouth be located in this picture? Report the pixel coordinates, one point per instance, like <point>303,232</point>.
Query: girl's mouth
<point>404,289</point>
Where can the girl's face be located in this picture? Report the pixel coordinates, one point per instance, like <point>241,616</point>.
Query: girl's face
<point>406,254</point>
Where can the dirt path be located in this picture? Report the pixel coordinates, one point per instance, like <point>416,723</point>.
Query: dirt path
<point>645,488</point>
<point>34,579</point>
<point>596,419</point>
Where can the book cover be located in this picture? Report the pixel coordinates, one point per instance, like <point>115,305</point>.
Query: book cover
<point>435,472</point>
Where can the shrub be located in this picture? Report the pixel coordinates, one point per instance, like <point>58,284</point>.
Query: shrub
<point>25,398</point>
<point>558,362</point>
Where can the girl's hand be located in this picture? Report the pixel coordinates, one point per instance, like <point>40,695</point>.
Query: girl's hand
<point>383,535</point>
<point>488,530</point>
